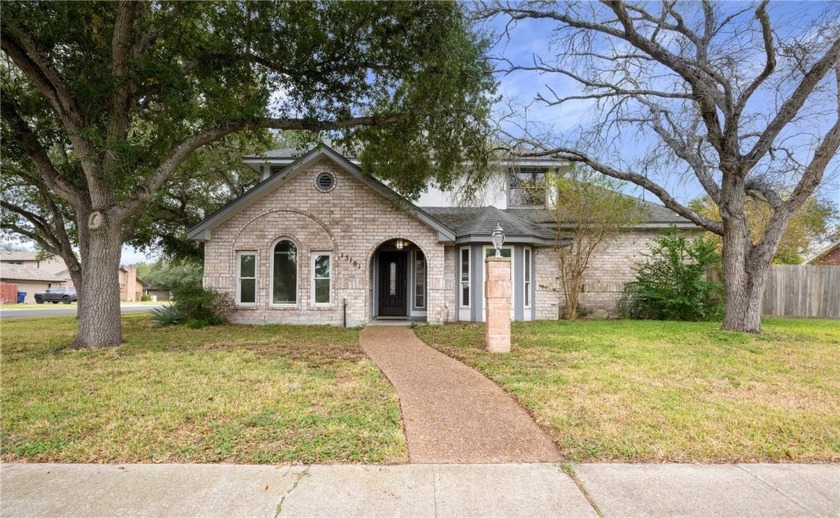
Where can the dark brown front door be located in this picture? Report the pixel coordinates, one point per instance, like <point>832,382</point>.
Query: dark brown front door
<point>393,288</point>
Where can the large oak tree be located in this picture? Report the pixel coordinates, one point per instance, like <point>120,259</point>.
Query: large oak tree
<point>742,100</point>
<point>102,101</point>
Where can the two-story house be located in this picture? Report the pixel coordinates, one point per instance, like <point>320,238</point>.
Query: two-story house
<point>319,241</point>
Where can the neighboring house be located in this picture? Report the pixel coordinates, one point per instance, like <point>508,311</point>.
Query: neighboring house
<point>131,288</point>
<point>52,264</point>
<point>319,241</point>
<point>828,256</point>
<point>28,279</point>
<point>157,294</point>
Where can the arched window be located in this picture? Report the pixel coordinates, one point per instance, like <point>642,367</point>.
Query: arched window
<point>284,273</point>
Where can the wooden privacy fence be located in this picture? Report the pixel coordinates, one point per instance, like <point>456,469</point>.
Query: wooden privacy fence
<point>803,291</point>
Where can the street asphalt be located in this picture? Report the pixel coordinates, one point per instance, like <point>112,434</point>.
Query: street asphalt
<point>49,310</point>
<point>765,490</point>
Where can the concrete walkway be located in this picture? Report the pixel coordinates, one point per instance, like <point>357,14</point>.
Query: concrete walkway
<point>419,490</point>
<point>451,413</point>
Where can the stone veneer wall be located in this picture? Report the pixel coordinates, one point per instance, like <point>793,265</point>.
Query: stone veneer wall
<point>351,221</point>
<point>609,269</point>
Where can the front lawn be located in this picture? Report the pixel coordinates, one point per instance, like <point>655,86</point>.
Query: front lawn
<point>242,394</point>
<point>670,391</point>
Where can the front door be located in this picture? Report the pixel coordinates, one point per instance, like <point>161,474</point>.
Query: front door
<point>393,285</point>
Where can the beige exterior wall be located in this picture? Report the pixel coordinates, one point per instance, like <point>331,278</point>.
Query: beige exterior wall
<point>31,288</point>
<point>351,221</point>
<point>131,290</point>
<point>610,268</point>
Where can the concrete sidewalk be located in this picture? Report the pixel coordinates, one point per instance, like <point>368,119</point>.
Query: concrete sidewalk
<point>419,490</point>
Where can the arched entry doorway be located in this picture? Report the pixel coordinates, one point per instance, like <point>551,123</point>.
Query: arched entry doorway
<point>398,278</point>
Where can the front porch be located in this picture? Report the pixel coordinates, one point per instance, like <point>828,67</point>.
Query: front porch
<point>398,283</point>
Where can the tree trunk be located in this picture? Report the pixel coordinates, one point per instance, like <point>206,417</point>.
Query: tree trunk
<point>744,279</point>
<point>99,306</point>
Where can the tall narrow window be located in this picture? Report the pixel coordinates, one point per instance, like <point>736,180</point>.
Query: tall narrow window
<point>284,281</point>
<point>465,278</point>
<point>526,268</point>
<point>419,280</point>
<point>246,292</point>
<point>322,278</point>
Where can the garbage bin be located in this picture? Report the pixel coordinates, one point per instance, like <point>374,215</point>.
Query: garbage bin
<point>21,297</point>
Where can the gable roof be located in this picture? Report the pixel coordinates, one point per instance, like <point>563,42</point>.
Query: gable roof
<point>18,272</point>
<point>199,232</point>
<point>824,252</point>
<point>14,255</point>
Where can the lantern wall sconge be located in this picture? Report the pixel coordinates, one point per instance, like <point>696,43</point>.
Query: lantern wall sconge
<point>498,237</point>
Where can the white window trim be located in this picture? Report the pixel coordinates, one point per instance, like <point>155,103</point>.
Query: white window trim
<point>425,280</point>
<point>239,278</point>
<point>271,302</point>
<point>312,279</point>
<point>527,267</point>
<point>461,277</point>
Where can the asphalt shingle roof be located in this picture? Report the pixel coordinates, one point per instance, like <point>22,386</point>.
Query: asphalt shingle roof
<point>291,152</point>
<point>26,273</point>
<point>18,256</point>
<point>654,214</point>
<point>466,221</point>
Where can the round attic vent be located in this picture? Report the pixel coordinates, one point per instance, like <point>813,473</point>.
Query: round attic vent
<point>325,181</point>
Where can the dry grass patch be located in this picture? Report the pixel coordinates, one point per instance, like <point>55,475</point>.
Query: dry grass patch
<point>669,391</point>
<point>243,394</point>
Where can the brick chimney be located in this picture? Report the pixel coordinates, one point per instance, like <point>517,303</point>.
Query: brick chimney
<point>131,283</point>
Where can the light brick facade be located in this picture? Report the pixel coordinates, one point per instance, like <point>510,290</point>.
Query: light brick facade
<point>610,268</point>
<point>357,218</point>
<point>351,221</point>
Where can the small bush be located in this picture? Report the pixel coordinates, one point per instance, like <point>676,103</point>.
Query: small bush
<point>672,284</point>
<point>200,307</point>
<point>197,324</point>
<point>145,297</point>
<point>166,315</point>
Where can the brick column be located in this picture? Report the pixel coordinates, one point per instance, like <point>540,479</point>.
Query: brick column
<point>497,292</point>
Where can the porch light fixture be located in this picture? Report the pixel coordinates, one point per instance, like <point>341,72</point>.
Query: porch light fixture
<point>498,239</point>
<point>400,244</point>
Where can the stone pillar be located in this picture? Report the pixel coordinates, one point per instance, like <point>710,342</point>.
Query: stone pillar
<point>497,292</point>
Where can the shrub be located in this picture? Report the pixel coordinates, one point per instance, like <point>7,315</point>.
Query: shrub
<point>166,315</point>
<point>200,307</point>
<point>672,283</point>
<point>145,297</point>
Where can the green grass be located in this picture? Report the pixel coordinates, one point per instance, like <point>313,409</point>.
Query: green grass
<point>241,394</point>
<point>669,391</point>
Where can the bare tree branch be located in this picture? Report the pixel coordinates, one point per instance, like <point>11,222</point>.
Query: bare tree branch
<point>793,104</point>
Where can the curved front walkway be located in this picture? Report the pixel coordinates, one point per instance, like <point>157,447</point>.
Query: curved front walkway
<point>451,413</point>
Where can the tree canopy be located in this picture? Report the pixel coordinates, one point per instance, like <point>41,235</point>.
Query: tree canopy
<point>741,100</point>
<point>808,228</point>
<point>103,101</point>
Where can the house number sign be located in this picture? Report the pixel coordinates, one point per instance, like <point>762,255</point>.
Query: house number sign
<point>349,260</point>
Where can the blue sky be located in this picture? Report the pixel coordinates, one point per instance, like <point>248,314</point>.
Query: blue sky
<point>532,37</point>
<point>527,38</point>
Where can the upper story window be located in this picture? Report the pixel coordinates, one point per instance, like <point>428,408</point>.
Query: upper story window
<point>525,187</point>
